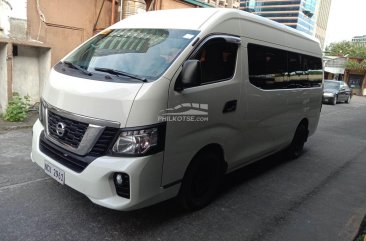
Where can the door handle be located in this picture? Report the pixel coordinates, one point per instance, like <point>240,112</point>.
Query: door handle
<point>230,106</point>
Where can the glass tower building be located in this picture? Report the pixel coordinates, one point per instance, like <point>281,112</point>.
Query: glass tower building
<point>298,14</point>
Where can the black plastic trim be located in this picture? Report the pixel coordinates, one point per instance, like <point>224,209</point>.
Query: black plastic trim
<point>70,160</point>
<point>172,184</point>
<point>124,189</point>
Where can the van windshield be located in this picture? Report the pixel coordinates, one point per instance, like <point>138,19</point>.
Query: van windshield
<point>143,53</point>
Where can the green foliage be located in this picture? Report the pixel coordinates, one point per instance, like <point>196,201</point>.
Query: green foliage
<point>360,238</point>
<point>17,108</point>
<point>353,65</point>
<point>344,48</point>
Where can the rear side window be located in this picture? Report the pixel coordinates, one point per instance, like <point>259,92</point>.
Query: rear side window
<point>267,67</point>
<point>271,68</point>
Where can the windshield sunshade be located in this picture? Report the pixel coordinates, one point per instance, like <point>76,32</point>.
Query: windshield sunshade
<point>141,53</point>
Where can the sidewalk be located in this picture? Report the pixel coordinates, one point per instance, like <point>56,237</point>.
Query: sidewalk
<point>27,123</point>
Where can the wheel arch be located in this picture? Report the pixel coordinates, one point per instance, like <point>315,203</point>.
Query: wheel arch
<point>213,147</point>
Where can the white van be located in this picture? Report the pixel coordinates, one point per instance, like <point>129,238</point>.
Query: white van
<point>164,103</point>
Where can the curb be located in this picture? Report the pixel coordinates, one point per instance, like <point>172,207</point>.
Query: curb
<point>12,128</point>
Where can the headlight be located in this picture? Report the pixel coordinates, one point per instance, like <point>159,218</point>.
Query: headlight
<point>142,141</point>
<point>328,94</point>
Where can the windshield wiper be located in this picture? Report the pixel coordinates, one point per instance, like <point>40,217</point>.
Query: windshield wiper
<point>119,72</point>
<point>77,67</point>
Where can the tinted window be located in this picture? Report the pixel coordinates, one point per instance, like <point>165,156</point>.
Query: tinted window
<point>267,67</point>
<point>217,58</point>
<point>271,68</point>
<point>296,68</point>
<point>315,71</point>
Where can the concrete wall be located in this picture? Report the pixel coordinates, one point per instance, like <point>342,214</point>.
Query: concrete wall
<point>23,68</point>
<point>3,78</point>
<point>18,28</point>
<point>13,17</point>
<point>44,61</point>
<point>26,72</point>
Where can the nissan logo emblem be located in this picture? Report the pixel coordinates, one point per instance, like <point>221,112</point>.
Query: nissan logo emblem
<point>60,129</point>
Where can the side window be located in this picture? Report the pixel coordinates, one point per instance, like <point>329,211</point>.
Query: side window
<point>271,68</point>
<point>315,71</point>
<point>267,67</point>
<point>297,71</point>
<point>218,60</point>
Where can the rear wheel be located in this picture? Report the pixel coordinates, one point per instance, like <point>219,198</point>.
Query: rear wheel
<point>297,145</point>
<point>201,181</point>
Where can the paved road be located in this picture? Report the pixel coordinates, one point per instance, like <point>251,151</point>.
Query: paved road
<point>320,196</point>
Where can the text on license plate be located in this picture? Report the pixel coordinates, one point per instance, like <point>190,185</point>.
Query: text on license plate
<point>54,172</point>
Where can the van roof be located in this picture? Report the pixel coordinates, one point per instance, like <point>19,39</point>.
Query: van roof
<point>195,18</point>
<point>190,18</point>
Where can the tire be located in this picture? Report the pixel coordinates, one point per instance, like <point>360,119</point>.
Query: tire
<point>334,102</point>
<point>297,145</point>
<point>348,99</point>
<point>201,181</point>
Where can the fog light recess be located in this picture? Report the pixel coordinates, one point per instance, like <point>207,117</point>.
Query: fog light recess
<point>122,184</point>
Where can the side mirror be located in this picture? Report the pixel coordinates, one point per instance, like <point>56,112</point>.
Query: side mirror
<point>190,75</point>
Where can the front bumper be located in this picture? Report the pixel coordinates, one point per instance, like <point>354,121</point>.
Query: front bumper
<point>328,99</point>
<point>96,180</point>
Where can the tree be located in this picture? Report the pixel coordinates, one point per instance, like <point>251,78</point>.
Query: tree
<point>358,66</point>
<point>349,48</point>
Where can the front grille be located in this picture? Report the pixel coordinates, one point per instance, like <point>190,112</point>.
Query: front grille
<point>68,159</point>
<point>74,130</point>
<point>104,141</point>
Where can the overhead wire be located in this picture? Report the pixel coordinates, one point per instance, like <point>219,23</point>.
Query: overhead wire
<point>42,18</point>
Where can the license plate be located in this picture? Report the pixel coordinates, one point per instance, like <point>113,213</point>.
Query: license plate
<point>54,172</point>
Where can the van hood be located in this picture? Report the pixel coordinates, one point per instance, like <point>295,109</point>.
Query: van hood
<point>91,98</point>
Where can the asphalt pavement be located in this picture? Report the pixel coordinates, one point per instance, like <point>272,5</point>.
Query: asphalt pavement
<point>319,196</point>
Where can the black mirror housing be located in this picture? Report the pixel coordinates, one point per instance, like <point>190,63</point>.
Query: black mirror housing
<point>190,75</point>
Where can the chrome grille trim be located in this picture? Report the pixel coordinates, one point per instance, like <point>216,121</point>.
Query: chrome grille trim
<point>91,135</point>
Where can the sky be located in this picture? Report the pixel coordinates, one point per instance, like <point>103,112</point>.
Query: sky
<point>347,19</point>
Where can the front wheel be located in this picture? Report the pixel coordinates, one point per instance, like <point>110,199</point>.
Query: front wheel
<point>334,100</point>
<point>201,181</point>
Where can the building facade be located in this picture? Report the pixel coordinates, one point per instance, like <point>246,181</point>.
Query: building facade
<point>24,62</point>
<point>224,3</point>
<point>359,40</point>
<point>298,14</point>
<point>322,20</point>
<point>308,16</point>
